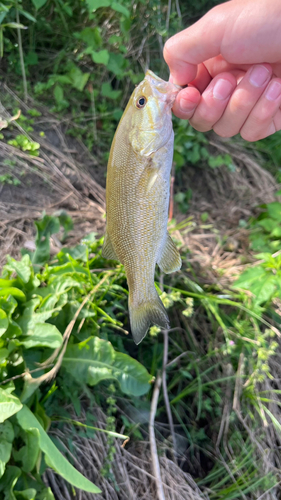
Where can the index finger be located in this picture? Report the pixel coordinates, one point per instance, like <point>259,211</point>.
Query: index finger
<point>192,46</point>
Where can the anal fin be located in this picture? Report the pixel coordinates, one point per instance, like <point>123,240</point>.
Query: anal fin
<point>107,249</point>
<point>170,260</point>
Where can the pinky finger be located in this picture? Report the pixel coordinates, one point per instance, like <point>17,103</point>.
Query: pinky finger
<point>265,117</point>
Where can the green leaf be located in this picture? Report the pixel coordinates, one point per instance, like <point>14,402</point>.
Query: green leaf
<point>38,3</point>
<point>43,335</point>
<point>27,15</point>
<point>100,57</point>
<point>46,494</point>
<point>259,281</point>
<point>267,224</point>
<point>58,94</point>
<point>9,480</point>
<point>28,494</point>
<point>23,267</point>
<point>78,78</point>
<point>95,359</point>
<point>30,317</point>
<point>120,8</point>
<point>28,454</point>
<point>91,36</point>
<point>107,91</point>
<point>6,440</point>
<point>274,210</point>
<point>4,322</point>
<point>47,226</point>
<point>116,63</point>
<point>54,458</point>
<point>96,4</point>
<point>9,405</point>
<point>15,292</point>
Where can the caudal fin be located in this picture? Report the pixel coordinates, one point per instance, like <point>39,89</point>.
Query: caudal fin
<point>145,314</point>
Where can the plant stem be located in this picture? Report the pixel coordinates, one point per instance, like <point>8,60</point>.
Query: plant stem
<point>21,58</point>
<point>153,447</point>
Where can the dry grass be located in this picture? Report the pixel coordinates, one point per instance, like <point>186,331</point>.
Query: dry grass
<point>131,468</point>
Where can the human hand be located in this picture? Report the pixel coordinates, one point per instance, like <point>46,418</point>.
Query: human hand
<point>231,59</point>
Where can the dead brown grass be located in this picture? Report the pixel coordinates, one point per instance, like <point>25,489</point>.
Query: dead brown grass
<point>131,468</point>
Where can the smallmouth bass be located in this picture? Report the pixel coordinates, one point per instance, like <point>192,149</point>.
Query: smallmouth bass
<point>137,199</point>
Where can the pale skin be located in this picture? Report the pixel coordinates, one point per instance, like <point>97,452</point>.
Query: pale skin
<point>231,61</point>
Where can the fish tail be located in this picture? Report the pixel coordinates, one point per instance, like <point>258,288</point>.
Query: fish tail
<point>145,313</point>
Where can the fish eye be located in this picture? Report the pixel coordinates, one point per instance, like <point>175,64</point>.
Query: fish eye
<point>141,102</point>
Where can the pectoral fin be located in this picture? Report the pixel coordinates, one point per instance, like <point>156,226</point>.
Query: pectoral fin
<point>148,179</point>
<point>170,260</point>
<point>107,249</point>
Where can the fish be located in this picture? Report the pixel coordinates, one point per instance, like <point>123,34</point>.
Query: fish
<point>137,199</point>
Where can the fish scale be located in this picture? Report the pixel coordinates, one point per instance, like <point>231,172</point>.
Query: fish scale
<point>137,199</point>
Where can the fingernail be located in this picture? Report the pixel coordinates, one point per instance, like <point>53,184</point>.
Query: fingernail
<point>259,75</point>
<point>273,91</point>
<point>186,106</point>
<point>222,89</point>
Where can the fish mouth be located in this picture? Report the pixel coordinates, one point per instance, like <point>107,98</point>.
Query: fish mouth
<point>165,91</point>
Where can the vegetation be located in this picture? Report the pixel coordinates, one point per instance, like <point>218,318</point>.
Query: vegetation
<point>64,317</point>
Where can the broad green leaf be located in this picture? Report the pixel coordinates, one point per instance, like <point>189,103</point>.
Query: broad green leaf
<point>32,315</point>
<point>120,8</point>
<point>6,440</point>
<point>8,305</point>
<point>100,57</point>
<point>274,210</point>
<point>6,283</point>
<point>9,480</point>
<point>96,4</point>
<point>22,267</point>
<point>46,494</point>
<point>95,359</point>
<point>54,458</point>
<point>3,354</point>
<point>47,226</point>
<point>65,220</point>
<point>249,276</point>
<point>91,36</point>
<point>116,63</point>
<point>5,454</point>
<point>7,432</point>
<point>107,91</point>
<point>4,322</point>
<point>27,15</point>
<point>78,78</point>
<point>78,253</point>
<point>38,3</point>
<point>15,292</point>
<point>276,233</point>
<point>9,405</point>
<point>43,335</point>
<point>259,281</point>
<point>28,494</point>
<point>267,224</point>
<point>28,454</point>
